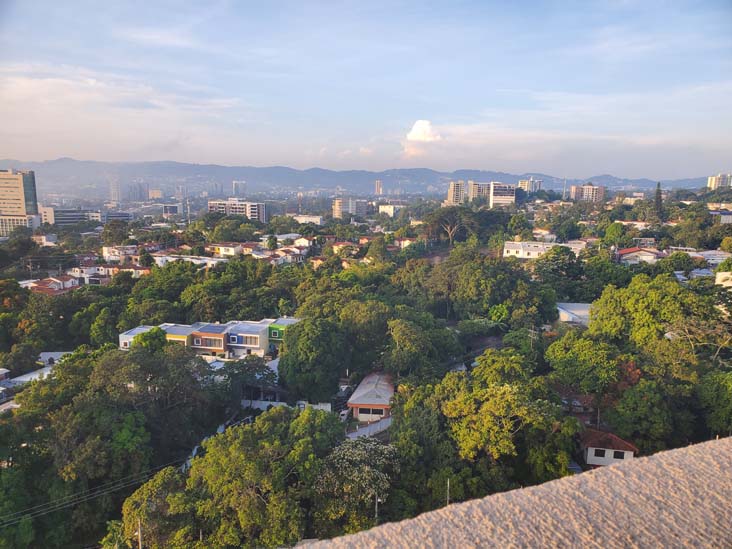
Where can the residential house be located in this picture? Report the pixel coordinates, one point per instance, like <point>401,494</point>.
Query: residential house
<point>119,254</point>
<point>371,401</point>
<point>55,285</point>
<point>210,339</point>
<point>45,240</point>
<point>404,242</point>
<point>247,338</point>
<point>338,247</point>
<point>305,241</point>
<point>125,338</point>
<point>224,249</point>
<point>636,255</point>
<point>600,448</point>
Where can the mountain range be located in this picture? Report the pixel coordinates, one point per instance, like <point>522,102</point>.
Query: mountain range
<point>92,178</point>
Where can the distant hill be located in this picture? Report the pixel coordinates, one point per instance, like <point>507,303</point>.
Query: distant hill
<point>92,178</point>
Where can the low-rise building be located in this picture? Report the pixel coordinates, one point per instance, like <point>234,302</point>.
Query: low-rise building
<point>534,249</point>
<point>390,209</point>
<point>224,249</point>
<point>304,219</point>
<point>600,448</point>
<point>636,255</point>
<point>371,401</point>
<point>54,285</point>
<point>45,240</point>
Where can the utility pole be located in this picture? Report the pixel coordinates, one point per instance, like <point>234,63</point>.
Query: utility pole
<point>448,490</point>
<point>139,533</point>
<point>376,508</point>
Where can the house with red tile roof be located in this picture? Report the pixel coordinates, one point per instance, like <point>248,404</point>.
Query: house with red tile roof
<point>601,448</point>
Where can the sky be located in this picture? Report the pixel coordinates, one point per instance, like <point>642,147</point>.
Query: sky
<point>571,89</point>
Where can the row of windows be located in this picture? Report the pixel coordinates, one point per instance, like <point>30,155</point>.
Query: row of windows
<point>371,411</point>
<point>208,342</point>
<point>617,454</point>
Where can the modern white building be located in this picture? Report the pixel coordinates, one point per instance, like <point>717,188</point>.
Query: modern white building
<point>501,194</point>
<point>390,209</point>
<point>587,193</point>
<point>304,219</point>
<point>236,206</point>
<point>534,250</point>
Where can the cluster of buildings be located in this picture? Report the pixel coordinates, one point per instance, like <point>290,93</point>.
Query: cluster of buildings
<point>720,181</point>
<point>496,194</point>
<point>232,340</point>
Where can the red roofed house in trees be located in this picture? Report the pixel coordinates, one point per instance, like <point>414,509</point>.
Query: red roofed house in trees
<point>600,448</point>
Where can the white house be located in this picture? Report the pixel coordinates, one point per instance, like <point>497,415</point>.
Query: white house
<point>600,448</point>
<point>636,255</point>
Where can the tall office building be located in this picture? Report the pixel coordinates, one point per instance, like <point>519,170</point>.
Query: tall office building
<point>530,185</point>
<point>587,193</point>
<point>18,201</point>
<point>501,194</point>
<point>455,194</point>
<point>349,206</point>
<point>237,206</point>
<point>721,181</point>
<point>378,188</point>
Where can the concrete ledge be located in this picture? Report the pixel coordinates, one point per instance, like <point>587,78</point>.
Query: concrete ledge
<point>678,498</point>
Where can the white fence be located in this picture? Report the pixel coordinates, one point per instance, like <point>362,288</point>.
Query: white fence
<point>371,429</point>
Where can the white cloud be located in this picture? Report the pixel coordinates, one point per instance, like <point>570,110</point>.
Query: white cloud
<point>423,132</point>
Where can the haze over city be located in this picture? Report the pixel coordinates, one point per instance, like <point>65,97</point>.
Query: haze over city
<point>636,89</point>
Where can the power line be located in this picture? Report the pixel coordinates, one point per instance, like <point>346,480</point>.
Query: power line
<point>81,497</point>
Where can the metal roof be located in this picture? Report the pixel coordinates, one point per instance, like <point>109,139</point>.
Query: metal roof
<point>376,388</point>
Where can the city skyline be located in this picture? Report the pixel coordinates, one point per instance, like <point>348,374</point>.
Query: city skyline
<point>574,91</point>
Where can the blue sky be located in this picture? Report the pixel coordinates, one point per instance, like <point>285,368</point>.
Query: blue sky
<point>636,89</point>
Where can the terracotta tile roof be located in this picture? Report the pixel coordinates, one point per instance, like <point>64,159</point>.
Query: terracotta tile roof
<point>592,438</point>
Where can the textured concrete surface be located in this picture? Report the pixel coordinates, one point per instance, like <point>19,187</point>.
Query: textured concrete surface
<point>679,498</point>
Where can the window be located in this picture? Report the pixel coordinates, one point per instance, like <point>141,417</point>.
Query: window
<point>618,454</point>
<point>377,412</point>
<point>251,341</point>
<point>125,344</point>
<point>275,333</point>
<point>364,411</point>
<point>197,341</point>
<point>599,453</point>
<point>232,339</point>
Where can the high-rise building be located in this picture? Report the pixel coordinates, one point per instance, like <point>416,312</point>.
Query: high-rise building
<point>238,187</point>
<point>530,185</point>
<point>237,206</point>
<point>721,181</point>
<point>587,193</point>
<point>154,194</point>
<point>351,206</point>
<point>378,188</point>
<point>478,190</point>
<point>18,201</point>
<point>114,191</point>
<point>501,194</point>
<point>455,194</point>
